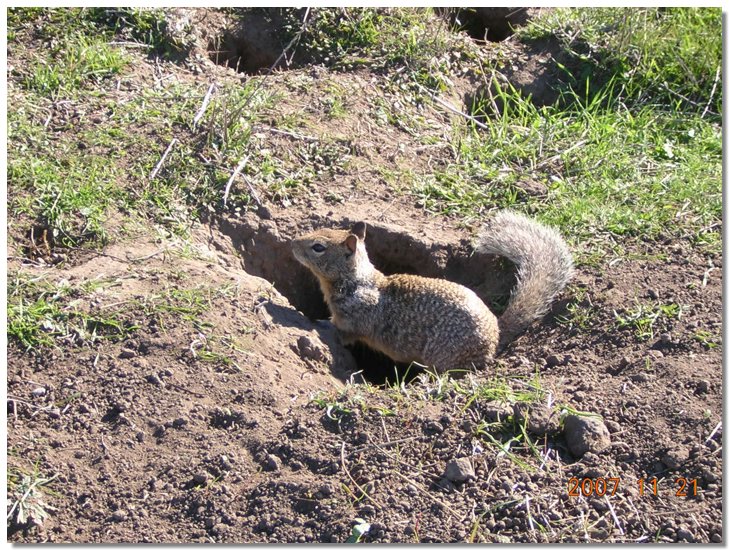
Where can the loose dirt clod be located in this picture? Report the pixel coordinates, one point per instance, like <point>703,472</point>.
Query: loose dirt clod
<point>459,470</point>
<point>585,434</point>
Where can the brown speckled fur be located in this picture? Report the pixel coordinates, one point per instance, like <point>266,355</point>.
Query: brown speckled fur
<point>434,322</point>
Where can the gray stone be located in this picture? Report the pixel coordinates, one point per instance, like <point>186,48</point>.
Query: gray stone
<point>585,434</point>
<point>496,411</point>
<point>539,418</point>
<point>118,516</point>
<point>272,463</point>
<point>675,457</point>
<point>460,469</point>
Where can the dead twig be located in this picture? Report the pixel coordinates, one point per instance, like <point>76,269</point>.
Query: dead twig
<point>285,133</point>
<point>383,445</point>
<point>252,190</point>
<point>713,89</point>
<point>452,109</point>
<point>182,388</point>
<point>237,170</point>
<point>615,516</point>
<point>148,256</point>
<point>204,106</point>
<point>157,167</point>
<point>346,471</point>
<point>716,429</point>
<point>427,494</point>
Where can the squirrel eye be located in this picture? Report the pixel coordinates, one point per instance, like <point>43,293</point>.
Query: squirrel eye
<point>318,247</point>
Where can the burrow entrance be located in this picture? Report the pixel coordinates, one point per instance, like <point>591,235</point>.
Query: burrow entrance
<point>266,253</point>
<point>487,24</point>
<point>253,43</point>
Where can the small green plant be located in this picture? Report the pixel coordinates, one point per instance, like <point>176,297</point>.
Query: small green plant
<point>706,339</point>
<point>580,312</point>
<point>27,497</point>
<point>643,318</point>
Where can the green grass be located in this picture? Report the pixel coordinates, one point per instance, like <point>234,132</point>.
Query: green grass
<point>70,197</point>
<point>644,319</point>
<point>42,314</point>
<point>79,60</point>
<point>667,56</point>
<point>615,163</point>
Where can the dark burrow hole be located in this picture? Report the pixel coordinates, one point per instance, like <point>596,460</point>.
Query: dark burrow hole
<point>253,45</point>
<point>487,24</point>
<point>267,254</point>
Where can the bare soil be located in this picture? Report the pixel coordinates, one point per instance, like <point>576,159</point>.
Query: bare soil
<point>153,443</point>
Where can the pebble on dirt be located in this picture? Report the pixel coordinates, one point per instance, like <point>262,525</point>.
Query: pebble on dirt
<point>585,434</point>
<point>460,469</point>
<point>675,457</point>
<point>539,418</point>
<point>119,515</point>
<point>272,463</point>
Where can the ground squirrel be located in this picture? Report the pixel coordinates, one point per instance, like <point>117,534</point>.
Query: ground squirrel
<point>434,322</point>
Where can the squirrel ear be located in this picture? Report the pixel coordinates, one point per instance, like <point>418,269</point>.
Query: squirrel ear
<point>351,242</point>
<point>360,229</point>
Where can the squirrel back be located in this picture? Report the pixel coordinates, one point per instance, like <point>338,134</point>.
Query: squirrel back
<point>435,322</point>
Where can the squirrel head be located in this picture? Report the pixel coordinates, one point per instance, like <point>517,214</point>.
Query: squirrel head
<point>334,255</point>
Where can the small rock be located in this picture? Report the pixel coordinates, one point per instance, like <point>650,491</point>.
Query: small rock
<point>272,463</point>
<point>154,379</point>
<point>433,427</point>
<point>140,437</point>
<point>685,534</point>
<point>585,434</point>
<point>140,363</point>
<point>219,529</point>
<point>179,422</point>
<point>716,538</point>
<point>308,349</point>
<point>128,353</point>
<point>225,463</point>
<point>495,411</point>
<point>675,457</point>
<point>539,418</point>
<point>118,516</point>
<point>460,469</point>
<point>38,392</point>
<point>367,510</point>
<point>703,386</point>
<point>554,360</point>
<point>54,413</point>
<point>200,478</point>
<point>326,490</point>
<point>612,426</point>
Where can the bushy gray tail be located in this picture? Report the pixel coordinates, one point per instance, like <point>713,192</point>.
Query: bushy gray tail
<point>543,262</point>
